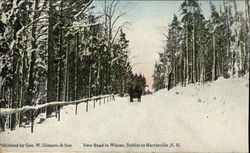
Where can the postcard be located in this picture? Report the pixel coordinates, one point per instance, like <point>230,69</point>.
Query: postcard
<point>124,76</point>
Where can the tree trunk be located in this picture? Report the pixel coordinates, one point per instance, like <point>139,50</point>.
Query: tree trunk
<point>51,84</point>
<point>66,74</point>
<point>182,68</point>
<point>187,59</point>
<point>194,51</point>
<point>77,67</point>
<point>214,59</point>
<point>31,87</point>
<point>90,79</point>
<point>61,53</point>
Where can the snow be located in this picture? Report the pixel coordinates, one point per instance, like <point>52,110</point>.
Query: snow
<point>202,118</point>
<point>3,18</point>
<point>5,111</point>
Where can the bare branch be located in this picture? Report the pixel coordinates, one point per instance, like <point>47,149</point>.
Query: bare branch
<point>112,12</point>
<point>119,16</point>
<point>123,25</point>
<point>84,8</point>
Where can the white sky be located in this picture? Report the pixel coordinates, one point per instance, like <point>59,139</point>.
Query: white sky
<point>149,20</point>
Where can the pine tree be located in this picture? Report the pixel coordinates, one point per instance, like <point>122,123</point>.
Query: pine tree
<point>207,49</point>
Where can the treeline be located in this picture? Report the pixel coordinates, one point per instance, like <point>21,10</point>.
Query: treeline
<point>57,50</point>
<point>138,79</point>
<point>201,50</point>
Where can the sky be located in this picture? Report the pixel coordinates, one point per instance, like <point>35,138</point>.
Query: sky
<point>149,20</point>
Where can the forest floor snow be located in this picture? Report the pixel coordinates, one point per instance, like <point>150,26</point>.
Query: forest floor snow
<point>201,118</point>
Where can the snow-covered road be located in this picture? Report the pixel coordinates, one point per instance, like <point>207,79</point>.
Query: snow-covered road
<point>200,118</point>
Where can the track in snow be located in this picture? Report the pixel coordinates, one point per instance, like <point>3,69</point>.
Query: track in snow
<point>197,124</point>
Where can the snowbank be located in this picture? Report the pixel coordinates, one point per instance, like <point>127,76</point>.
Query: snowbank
<point>200,118</point>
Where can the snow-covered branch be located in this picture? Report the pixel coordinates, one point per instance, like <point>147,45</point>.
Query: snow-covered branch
<point>83,9</point>
<point>83,26</point>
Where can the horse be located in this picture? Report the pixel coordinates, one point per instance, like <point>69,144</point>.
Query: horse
<point>135,92</point>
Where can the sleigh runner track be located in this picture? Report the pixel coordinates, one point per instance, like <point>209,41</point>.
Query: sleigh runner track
<point>35,109</point>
